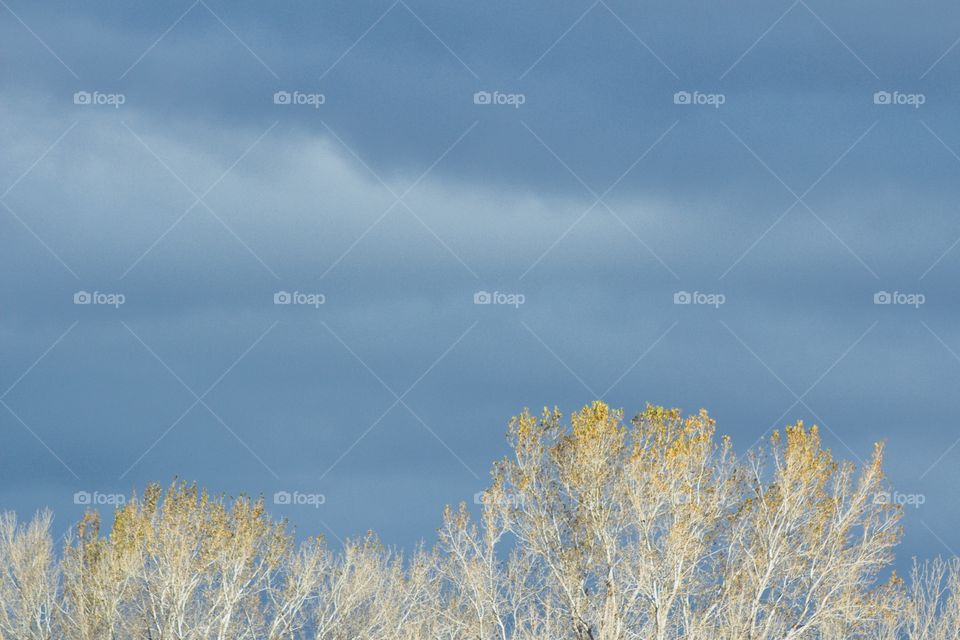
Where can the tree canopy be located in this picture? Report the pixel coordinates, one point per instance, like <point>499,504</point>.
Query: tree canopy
<point>594,528</point>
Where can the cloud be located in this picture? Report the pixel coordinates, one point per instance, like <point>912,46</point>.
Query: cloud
<point>500,199</point>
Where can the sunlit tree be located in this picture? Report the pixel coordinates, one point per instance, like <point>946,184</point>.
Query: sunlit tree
<point>593,528</point>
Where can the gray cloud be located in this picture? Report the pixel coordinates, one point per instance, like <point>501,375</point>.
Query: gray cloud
<point>698,212</point>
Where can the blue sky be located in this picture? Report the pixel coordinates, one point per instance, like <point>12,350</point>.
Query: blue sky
<point>786,162</point>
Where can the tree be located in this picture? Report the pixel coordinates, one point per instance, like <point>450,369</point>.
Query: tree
<point>593,529</point>
<point>28,579</point>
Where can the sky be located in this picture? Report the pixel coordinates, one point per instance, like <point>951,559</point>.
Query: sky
<point>325,250</point>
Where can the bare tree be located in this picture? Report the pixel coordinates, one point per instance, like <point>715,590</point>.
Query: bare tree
<point>28,579</point>
<point>593,529</point>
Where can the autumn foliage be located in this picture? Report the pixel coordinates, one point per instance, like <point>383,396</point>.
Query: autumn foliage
<point>594,528</point>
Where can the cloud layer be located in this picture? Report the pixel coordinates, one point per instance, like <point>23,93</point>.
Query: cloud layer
<point>787,185</point>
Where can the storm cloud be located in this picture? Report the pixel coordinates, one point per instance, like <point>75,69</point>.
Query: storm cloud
<point>750,208</point>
